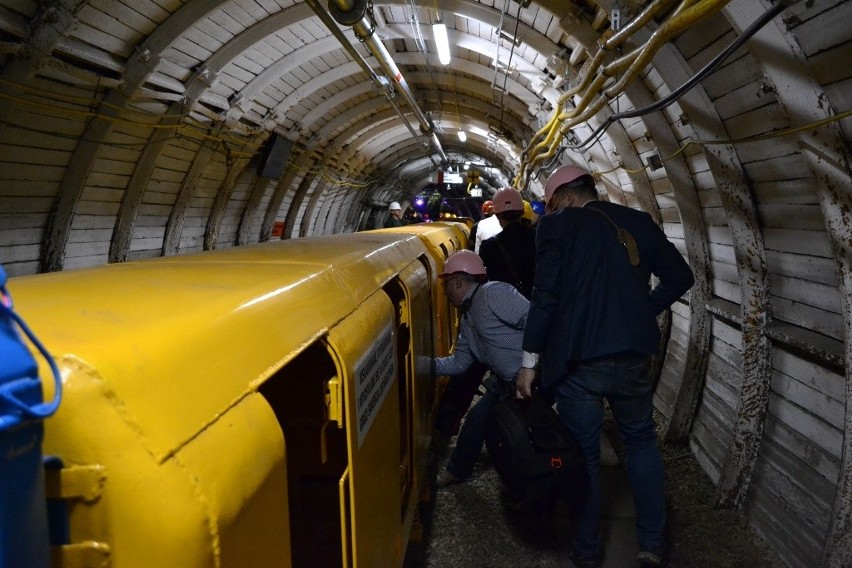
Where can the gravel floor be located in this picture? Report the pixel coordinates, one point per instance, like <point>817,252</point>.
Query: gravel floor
<point>468,525</point>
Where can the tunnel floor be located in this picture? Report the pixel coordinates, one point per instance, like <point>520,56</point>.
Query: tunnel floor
<point>469,525</point>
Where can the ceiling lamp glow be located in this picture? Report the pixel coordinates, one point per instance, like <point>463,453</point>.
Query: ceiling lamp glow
<point>442,42</point>
<point>462,136</point>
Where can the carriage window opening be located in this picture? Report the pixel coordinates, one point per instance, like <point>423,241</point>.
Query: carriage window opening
<point>396,292</point>
<point>296,394</point>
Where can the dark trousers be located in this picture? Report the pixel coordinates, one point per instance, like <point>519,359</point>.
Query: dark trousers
<point>456,399</point>
<point>626,384</point>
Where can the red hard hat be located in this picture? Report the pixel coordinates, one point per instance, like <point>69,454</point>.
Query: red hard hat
<point>487,207</point>
<point>563,175</point>
<point>465,261</point>
<point>507,199</point>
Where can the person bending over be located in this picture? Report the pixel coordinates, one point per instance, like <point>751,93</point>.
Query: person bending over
<point>493,315</point>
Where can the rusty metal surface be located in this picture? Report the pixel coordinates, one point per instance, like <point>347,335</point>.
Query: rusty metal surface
<point>695,238</point>
<point>826,154</point>
<point>220,204</point>
<point>755,312</point>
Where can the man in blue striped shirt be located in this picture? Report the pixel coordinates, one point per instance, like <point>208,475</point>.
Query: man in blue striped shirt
<point>492,329</point>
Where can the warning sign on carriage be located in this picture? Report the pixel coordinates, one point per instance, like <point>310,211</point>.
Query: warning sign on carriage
<point>374,375</point>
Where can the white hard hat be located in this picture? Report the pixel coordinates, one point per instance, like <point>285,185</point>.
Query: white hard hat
<point>394,206</point>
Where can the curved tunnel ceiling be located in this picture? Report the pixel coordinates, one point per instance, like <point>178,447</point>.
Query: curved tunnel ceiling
<point>147,81</point>
<point>301,91</point>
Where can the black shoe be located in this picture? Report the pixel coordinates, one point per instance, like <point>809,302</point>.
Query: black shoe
<point>445,479</point>
<point>583,562</point>
<point>647,558</point>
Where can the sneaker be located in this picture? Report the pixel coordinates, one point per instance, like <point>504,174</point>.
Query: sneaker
<point>583,562</point>
<point>647,558</point>
<point>445,479</point>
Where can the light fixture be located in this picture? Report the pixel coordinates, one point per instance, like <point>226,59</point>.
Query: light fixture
<point>509,37</point>
<point>462,135</point>
<point>442,42</point>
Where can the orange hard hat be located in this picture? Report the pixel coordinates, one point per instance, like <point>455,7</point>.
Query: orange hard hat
<point>488,207</point>
<point>465,261</point>
<point>507,199</point>
<point>561,176</point>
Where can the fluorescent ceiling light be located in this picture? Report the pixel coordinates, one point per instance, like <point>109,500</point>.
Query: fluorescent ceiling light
<point>442,42</point>
<point>462,135</point>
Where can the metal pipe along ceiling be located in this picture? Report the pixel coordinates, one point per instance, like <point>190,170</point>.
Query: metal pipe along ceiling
<point>354,13</point>
<point>381,82</point>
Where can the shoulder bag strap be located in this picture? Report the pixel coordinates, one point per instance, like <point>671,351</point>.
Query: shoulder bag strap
<point>624,237</point>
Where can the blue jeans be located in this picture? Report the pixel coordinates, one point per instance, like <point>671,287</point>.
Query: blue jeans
<point>471,437</point>
<point>625,383</point>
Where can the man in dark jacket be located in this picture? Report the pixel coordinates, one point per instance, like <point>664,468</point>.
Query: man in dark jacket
<point>509,256</point>
<point>593,320</point>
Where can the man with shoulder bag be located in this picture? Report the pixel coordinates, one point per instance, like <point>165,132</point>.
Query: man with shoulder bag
<point>593,323</point>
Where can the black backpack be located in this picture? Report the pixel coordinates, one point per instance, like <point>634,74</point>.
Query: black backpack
<point>534,455</point>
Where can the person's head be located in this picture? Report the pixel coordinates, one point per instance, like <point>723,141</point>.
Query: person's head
<point>508,206</point>
<point>463,270</point>
<point>569,186</point>
<point>395,209</point>
<point>487,208</point>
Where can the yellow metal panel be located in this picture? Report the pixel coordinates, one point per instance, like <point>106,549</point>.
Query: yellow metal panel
<point>237,467</point>
<point>221,501</point>
<point>140,496</point>
<point>160,362</point>
<point>226,318</point>
<point>365,349</point>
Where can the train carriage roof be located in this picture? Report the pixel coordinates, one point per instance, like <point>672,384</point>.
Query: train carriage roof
<point>203,330</point>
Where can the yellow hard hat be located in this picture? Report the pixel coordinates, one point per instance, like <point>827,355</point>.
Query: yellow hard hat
<point>528,212</point>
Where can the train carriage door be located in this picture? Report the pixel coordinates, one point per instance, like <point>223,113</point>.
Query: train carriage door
<point>404,365</point>
<point>363,345</point>
<point>373,351</point>
<point>316,455</point>
<point>410,295</point>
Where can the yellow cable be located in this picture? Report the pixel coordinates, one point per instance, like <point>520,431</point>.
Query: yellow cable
<point>686,15</point>
<point>85,101</point>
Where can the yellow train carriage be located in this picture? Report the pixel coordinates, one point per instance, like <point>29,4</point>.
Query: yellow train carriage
<point>264,405</point>
<point>441,243</point>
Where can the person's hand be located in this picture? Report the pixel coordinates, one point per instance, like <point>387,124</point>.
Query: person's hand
<point>523,386</point>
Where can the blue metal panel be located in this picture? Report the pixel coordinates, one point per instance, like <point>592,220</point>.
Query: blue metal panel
<point>23,514</point>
